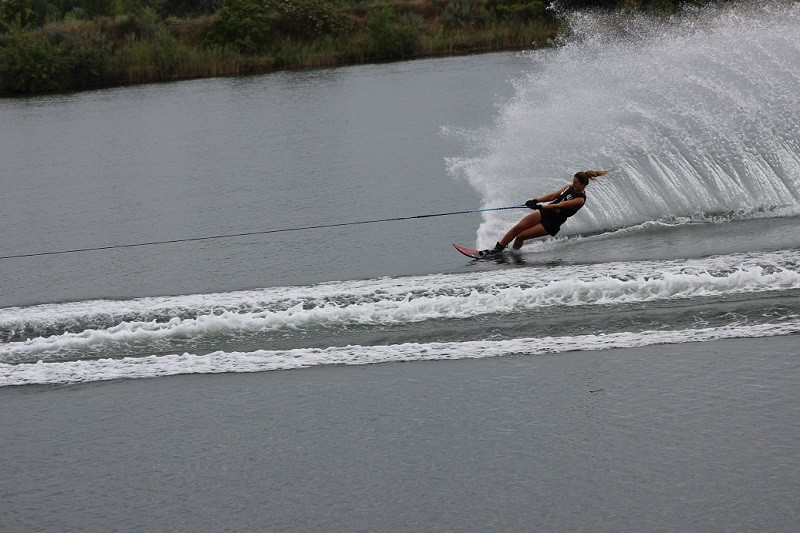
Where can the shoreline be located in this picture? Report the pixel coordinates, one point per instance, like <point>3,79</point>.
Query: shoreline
<point>686,437</point>
<point>74,54</point>
<point>83,49</point>
<point>267,71</point>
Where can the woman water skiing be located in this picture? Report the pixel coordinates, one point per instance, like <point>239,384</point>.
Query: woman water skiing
<point>548,218</point>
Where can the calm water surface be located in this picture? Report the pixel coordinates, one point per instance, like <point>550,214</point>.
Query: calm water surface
<point>226,156</point>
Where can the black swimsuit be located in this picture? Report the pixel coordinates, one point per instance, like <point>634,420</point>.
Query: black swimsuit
<point>553,218</point>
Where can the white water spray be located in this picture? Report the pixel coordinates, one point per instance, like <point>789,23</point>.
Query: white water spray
<point>699,114</point>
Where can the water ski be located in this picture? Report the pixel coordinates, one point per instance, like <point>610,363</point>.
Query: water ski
<point>469,252</point>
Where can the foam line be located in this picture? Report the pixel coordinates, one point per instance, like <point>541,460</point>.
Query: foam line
<point>266,360</point>
<point>390,302</point>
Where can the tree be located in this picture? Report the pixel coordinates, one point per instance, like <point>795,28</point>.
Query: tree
<point>305,19</point>
<point>391,37</point>
<point>465,13</point>
<point>187,8</point>
<point>243,24</point>
<point>17,13</point>
<point>29,63</point>
<point>99,8</point>
<point>520,10</point>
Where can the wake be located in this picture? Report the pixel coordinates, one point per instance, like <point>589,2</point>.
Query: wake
<point>91,329</point>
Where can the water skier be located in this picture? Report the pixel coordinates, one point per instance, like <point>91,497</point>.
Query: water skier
<point>548,218</point>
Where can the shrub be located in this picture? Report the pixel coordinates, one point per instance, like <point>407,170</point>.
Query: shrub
<point>191,31</point>
<point>307,19</point>
<point>186,8</point>
<point>390,36</point>
<point>147,61</point>
<point>165,54</point>
<point>241,24</point>
<point>458,13</point>
<point>140,24</point>
<point>521,12</point>
<point>17,13</point>
<point>88,62</point>
<point>30,63</point>
<point>100,8</point>
<point>288,55</point>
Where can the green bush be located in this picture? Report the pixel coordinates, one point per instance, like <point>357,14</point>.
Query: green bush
<point>186,8</point>
<point>459,13</point>
<point>88,62</point>
<point>30,63</point>
<point>288,55</point>
<point>242,24</point>
<point>17,13</point>
<point>192,31</point>
<point>521,12</point>
<point>307,19</point>
<point>100,8</point>
<point>139,24</point>
<point>164,54</point>
<point>390,36</point>
<point>157,59</point>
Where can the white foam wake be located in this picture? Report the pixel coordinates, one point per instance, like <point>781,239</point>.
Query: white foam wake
<point>354,291</point>
<point>268,360</point>
<point>390,302</point>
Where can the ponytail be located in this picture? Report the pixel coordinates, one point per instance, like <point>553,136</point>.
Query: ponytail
<point>589,175</point>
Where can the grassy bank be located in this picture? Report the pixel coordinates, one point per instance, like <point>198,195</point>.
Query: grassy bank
<point>65,45</point>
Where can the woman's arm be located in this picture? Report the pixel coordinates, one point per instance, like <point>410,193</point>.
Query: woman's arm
<point>575,203</point>
<point>553,195</point>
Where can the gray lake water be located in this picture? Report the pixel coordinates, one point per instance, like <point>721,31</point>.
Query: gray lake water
<point>691,239</point>
<point>224,156</point>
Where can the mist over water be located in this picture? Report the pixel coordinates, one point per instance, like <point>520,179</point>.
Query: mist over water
<point>698,115</point>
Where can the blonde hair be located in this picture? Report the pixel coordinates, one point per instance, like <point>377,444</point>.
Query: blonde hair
<point>586,176</point>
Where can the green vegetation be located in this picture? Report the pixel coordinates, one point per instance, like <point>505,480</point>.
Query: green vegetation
<point>62,45</point>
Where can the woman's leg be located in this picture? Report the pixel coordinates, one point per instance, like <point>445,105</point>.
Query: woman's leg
<point>527,223</point>
<point>531,233</point>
